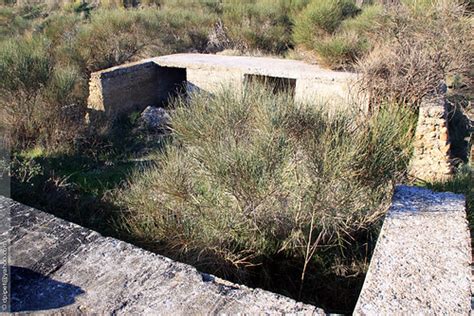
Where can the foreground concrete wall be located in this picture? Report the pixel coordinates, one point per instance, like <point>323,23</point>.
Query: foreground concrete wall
<point>63,269</point>
<point>133,86</point>
<point>421,264</point>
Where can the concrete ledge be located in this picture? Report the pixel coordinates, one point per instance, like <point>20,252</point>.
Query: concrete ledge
<point>421,263</point>
<point>313,83</point>
<point>61,268</point>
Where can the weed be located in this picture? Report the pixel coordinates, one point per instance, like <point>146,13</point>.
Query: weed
<point>422,48</point>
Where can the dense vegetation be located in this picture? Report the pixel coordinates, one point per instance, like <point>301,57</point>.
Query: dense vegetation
<point>261,194</point>
<point>47,52</point>
<point>256,179</point>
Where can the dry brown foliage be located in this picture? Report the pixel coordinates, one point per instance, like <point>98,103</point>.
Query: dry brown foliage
<point>422,46</point>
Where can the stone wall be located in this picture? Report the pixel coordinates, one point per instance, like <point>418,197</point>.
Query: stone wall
<point>431,153</point>
<point>421,263</point>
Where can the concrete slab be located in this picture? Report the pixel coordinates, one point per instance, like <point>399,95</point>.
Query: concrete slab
<point>421,264</point>
<point>61,268</point>
<point>135,86</point>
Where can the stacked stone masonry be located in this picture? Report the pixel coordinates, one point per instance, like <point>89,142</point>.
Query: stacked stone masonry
<point>431,153</point>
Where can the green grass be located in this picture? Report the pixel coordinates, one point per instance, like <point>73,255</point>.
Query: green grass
<point>342,50</point>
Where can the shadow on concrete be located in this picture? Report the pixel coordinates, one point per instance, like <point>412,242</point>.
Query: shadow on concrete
<point>32,291</point>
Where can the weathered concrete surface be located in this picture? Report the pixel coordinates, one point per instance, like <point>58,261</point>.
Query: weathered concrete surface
<point>421,264</point>
<point>134,86</point>
<point>62,268</point>
<point>210,72</point>
<point>431,153</point>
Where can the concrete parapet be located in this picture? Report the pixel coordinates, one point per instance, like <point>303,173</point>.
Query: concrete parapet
<point>59,268</point>
<point>134,86</point>
<point>123,89</point>
<point>421,263</point>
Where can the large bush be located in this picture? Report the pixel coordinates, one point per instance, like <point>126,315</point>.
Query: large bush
<point>253,176</point>
<point>423,43</point>
<point>320,19</point>
<point>263,26</point>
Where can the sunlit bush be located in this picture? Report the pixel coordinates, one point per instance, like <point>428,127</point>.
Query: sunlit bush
<point>252,176</point>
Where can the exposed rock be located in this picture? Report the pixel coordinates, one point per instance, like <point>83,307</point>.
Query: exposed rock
<point>154,118</point>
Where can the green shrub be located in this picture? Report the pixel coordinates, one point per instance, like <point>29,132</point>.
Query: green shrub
<point>111,38</point>
<point>24,64</point>
<point>370,21</point>
<point>61,85</point>
<point>183,30</point>
<point>38,103</point>
<point>60,27</point>
<point>116,36</point>
<point>251,176</point>
<point>11,23</point>
<point>320,19</point>
<point>341,50</point>
<point>259,26</point>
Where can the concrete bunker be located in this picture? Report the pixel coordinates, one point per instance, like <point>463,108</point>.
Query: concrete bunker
<point>134,86</point>
<point>276,84</point>
<point>152,82</point>
<point>420,269</point>
<point>122,90</point>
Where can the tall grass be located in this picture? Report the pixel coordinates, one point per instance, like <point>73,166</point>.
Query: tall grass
<point>263,26</point>
<point>254,176</point>
<point>322,18</point>
<point>338,31</point>
<point>38,101</point>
